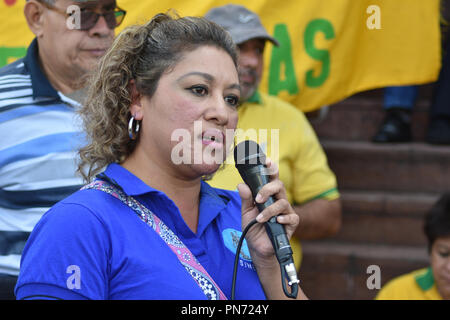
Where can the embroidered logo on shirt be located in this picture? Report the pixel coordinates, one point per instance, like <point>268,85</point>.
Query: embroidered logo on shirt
<point>231,241</point>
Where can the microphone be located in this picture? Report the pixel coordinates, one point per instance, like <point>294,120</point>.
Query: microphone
<point>250,162</point>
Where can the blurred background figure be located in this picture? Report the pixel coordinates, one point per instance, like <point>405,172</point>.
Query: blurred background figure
<point>431,283</point>
<point>439,114</point>
<point>39,96</point>
<point>399,103</point>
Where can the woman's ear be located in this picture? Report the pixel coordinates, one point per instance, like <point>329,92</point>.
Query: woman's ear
<point>34,14</point>
<point>136,106</point>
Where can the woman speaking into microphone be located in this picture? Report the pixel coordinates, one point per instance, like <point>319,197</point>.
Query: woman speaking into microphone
<point>146,225</point>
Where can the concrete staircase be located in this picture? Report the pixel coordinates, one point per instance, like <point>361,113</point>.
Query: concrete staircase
<point>385,191</point>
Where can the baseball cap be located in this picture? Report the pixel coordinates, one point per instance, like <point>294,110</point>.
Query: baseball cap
<point>241,23</point>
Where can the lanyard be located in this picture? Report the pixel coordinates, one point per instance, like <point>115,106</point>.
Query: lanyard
<point>184,255</point>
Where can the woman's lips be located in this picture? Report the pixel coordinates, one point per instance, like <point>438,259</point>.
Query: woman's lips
<point>213,138</point>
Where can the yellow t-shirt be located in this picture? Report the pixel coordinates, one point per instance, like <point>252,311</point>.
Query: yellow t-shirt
<point>287,138</point>
<point>417,285</point>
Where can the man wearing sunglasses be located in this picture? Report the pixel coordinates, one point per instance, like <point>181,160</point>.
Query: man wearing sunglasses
<point>66,54</point>
<point>39,95</point>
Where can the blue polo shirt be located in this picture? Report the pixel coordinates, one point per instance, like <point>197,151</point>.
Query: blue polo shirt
<point>92,246</point>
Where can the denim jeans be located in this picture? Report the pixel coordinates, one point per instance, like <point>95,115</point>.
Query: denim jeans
<point>401,96</point>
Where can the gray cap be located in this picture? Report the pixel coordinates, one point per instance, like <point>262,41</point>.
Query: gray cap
<point>241,23</point>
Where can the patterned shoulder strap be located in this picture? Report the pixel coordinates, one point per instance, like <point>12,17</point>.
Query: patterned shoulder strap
<point>184,255</point>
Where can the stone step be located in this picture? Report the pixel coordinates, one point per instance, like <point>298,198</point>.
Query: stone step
<point>332,270</point>
<point>358,117</point>
<point>385,190</point>
<point>383,218</point>
<point>413,167</point>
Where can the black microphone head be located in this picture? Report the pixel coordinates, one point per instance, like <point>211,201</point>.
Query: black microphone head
<point>250,161</point>
<point>248,154</point>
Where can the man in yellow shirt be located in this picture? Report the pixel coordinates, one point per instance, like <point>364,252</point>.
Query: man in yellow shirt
<point>282,131</point>
<point>431,283</point>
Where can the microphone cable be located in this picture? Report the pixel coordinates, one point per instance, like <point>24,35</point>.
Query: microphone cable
<point>284,267</point>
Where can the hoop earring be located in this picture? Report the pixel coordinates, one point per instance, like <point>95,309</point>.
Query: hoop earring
<point>133,128</point>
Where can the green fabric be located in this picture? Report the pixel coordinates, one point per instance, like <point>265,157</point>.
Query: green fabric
<point>425,280</point>
<point>322,195</point>
<point>255,98</point>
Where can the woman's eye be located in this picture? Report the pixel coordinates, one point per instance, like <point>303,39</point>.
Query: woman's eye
<point>199,90</point>
<point>444,254</point>
<point>232,100</point>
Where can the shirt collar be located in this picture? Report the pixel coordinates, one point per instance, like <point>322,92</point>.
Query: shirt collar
<point>425,280</point>
<point>40,84</point>
<point>133,186</point>
<point>130,184</point>
<point>212,201</point>
<point>255,98</point>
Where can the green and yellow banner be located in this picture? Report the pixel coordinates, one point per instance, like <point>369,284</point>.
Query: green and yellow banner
<point>330,49</point>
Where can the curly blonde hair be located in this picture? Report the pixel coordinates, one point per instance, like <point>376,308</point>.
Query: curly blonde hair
<point>141,53</point>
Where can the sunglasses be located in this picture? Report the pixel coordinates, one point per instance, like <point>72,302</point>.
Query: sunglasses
<point>89,18</point>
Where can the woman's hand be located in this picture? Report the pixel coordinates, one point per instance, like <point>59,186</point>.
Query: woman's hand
<point>259,243</point>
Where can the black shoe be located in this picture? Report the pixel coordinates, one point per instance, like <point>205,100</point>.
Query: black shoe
<point>396,127</point>
<point>439,131</point>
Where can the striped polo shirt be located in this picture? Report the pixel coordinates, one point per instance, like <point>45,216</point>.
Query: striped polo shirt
<point>39,137</point>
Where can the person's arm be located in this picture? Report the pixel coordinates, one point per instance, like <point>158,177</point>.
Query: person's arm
<point>314,188</point>
<point>319,218</point>
<point>66,256</point>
